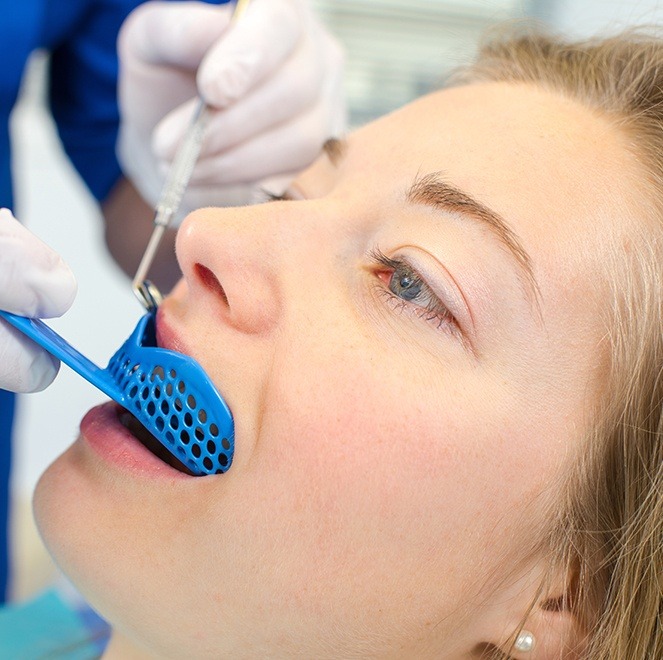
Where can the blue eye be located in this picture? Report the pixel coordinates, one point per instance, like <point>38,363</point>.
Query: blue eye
<point>405,283</point>
<point>406,289</point>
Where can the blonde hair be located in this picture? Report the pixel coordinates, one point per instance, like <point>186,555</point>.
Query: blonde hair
<point>610,534</point>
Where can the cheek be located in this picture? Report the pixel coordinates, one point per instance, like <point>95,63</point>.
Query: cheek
<point>375,466</point>
<point>373,447</point>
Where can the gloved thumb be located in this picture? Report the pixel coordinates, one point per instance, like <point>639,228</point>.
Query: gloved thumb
<point>34,280</point>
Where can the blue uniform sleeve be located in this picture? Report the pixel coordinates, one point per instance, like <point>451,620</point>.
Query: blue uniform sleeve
<point>83,90</point>
<point>83,86</point>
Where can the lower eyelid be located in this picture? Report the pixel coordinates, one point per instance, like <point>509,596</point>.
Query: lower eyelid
<point>383,268</point>
<point>419,311</point>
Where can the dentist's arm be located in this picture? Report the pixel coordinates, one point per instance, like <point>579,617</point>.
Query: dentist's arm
<point>35,282</point>
<point>128,226</point>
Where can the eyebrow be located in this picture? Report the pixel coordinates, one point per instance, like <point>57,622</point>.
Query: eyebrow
<point>432,190</point>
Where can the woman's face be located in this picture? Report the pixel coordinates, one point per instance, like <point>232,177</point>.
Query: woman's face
<point>410,345</point>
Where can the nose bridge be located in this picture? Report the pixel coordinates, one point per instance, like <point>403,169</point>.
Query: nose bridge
<point>259,237</point>
<point>240,259</point>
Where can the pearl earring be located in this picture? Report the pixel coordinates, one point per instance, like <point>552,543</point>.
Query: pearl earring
<point>524,641</point>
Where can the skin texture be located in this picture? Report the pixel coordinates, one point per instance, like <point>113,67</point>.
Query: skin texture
<point>392,467</point>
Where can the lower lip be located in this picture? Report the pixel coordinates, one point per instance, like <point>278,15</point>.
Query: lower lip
<point>103,432</point>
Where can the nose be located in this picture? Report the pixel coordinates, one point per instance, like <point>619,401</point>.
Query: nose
<point>228,264</point>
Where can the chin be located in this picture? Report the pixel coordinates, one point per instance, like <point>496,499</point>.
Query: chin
<point>70,520</point>
<point>100,536</point>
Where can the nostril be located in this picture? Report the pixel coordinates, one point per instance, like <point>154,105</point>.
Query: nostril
<point>209,279</point>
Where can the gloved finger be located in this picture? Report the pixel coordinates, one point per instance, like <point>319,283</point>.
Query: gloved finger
<point>252,49</point>
<point>34,280</point>
<point>160,46</point>
<point>172,34</point>
<point>150,95</point>
<point>24,366</point>
<point>284,95</point>
<point>290,146</point>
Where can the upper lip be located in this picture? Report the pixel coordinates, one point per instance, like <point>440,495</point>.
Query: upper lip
<point>166,336</point>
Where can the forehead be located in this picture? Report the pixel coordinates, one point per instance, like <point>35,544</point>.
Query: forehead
<point>559,172</point>
<point>493,135</point>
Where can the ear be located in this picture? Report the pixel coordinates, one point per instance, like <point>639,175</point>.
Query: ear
<point>555,632</point>
<point>540,604</point>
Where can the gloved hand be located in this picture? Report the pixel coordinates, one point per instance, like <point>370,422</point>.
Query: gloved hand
<point>274,80</point>
<point>35,282</point>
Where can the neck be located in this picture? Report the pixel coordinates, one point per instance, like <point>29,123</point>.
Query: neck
<point>121,648</point>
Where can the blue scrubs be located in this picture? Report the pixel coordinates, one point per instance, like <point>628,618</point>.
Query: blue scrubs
<point>81,36</point>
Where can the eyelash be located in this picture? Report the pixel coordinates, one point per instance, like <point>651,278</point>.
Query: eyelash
<point>431,309</point>
<point>273,197</point>
<point>434,311</point>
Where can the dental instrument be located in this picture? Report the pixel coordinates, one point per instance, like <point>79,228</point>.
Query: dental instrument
<point>173,191</point>
<point>167,392</point>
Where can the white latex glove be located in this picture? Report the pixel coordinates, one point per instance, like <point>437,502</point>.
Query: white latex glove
<point>274,79</point>
<point>35,282</point>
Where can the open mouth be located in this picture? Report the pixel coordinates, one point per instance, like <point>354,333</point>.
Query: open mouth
<point>149,441</point>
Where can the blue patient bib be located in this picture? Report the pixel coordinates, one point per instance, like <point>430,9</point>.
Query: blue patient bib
<point>48,627</point>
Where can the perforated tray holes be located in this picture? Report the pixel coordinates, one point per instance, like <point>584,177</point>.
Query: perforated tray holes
<point>164,402</point>
<point>141,376</point>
